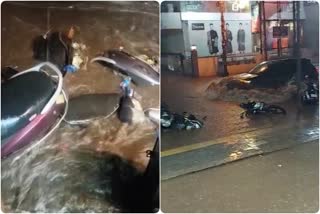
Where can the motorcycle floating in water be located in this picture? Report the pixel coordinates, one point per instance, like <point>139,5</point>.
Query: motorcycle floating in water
<point>33,105</point>
<point>128,65</point>
<point>129,110</point>
<point>175,121</point>
<point>252,108</point>
<point>85,108</point>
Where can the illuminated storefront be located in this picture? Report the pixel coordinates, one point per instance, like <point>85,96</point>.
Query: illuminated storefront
<point>280,14</point>
<point>254,30</point>
<point>200,17</point>
<point>203,25</point>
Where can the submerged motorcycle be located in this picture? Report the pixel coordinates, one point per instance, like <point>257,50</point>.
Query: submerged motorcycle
<point>33,105</point>
<point>253,108</point>
<point>34,102</point>
<point>130,69</point>
<point>129,110</point>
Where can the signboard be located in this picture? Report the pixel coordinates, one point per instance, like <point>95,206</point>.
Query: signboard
<point>255,23</point>
<point>209,40</point>
<point>197,26</point>
<point>280,31</point>
<point>242,6</point>
<point>193,7</point>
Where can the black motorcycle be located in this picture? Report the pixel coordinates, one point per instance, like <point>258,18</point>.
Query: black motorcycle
<point>253,108</point>
<point>177,121</point>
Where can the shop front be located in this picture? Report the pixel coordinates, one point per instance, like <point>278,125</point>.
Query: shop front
<point>203,29</point>
<point>254,31</point>
<point>280,27</point>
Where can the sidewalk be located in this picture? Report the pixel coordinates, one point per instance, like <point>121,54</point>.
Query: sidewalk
<point>286,181</point>
<point>196,157</point>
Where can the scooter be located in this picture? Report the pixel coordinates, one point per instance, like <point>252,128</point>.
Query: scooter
<point>105,105</point>
<point>253,108</point>
<point>130,109</point>
<point>125,64</point>
<point>33,106</point>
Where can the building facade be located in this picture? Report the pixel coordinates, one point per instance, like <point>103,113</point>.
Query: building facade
<point>189,23</point>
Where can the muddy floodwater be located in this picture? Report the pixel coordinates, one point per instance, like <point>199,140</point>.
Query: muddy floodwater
<point>217,90</point>
<point>77,168</point>
<point>222,116</point>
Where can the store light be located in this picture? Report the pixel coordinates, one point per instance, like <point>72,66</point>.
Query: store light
<point>243,4</point>
<point>239,4</point>
<point>235,6</point>
<point>291,26</point>
<point>193,47</point>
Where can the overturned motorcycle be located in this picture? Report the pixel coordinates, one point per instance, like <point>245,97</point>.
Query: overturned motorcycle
<point>253,108</point>
<point>176,121</point>
<point>33,105</point>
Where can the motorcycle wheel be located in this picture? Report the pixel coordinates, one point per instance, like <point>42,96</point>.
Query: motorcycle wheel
<point>276,110</point>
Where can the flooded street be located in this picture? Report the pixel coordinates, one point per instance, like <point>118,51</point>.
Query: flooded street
<point>226,137</point>
<point>221,117</point>
<point>81,169</point>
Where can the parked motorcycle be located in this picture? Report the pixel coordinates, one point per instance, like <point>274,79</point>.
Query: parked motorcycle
<point>33,105</point>
<point>253,108</point>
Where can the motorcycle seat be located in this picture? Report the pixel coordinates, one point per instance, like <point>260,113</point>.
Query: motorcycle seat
<point>21,98</point>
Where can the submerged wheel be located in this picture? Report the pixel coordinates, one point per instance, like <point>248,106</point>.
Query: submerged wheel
<point>276,109</point>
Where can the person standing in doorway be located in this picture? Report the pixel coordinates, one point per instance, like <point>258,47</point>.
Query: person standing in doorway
<point>212,38</point>
<point>241,39</point>
<point>229,39</point>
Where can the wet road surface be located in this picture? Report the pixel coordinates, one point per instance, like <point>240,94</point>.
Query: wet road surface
<point>74,170</point>
<point>182,93</point>
<point>225,137</point>
<point>284,181</point>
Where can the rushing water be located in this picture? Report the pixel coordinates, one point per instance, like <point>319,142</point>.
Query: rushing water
<point>219,91</point>
<point>80,169</point>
